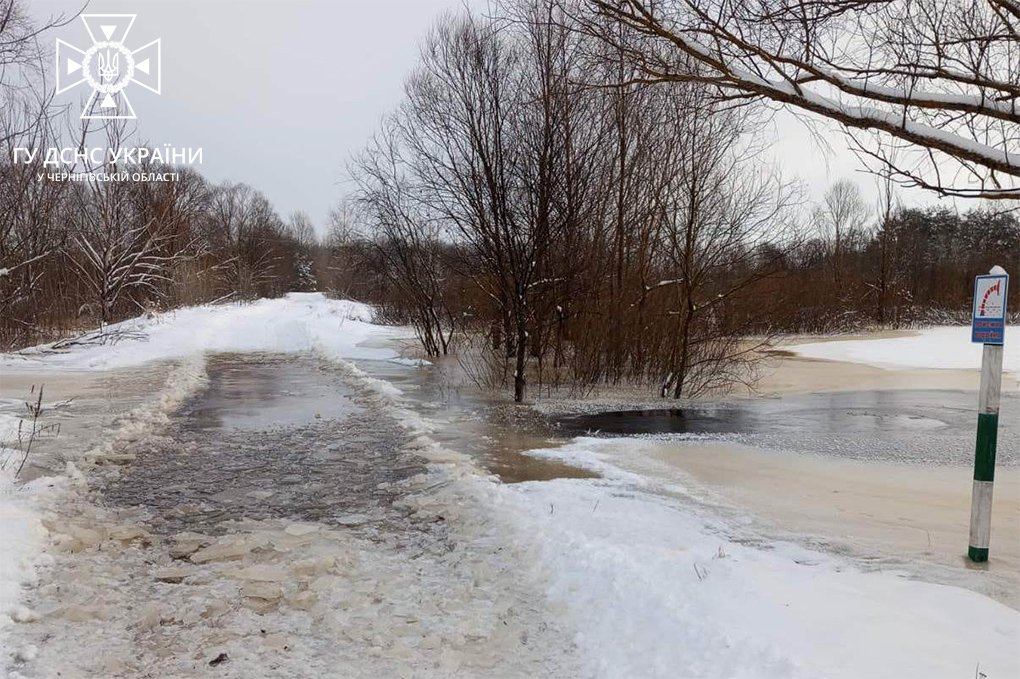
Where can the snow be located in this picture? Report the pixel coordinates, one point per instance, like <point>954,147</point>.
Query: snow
<point>947,347</point>
<point>23,540</point>
<point>646,582</point>
<point>650,586</point>
<point>296,322</point>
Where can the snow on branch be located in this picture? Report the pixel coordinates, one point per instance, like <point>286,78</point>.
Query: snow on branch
<point>941,75</point>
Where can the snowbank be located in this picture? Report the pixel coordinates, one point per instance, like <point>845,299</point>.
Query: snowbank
<point>655,590</point>
<point>23,539</point>
<point>945,347</point>
<point>296,322</point>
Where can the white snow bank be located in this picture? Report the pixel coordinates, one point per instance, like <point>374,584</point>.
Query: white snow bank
<point>23,538</point>
<point>944,347</point>
<point>654,590</point>
<point>297,322</point>
<point>10,423</point>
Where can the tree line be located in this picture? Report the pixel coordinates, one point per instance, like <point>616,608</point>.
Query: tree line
<point>544,202</point>
<point>76,254</point>
<point>597,226</point>
<point>892,266</point>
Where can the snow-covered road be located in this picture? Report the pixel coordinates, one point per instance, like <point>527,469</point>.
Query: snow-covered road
<point>218,520</point>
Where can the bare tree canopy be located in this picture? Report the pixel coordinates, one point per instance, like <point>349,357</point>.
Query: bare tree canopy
<point>927,90</point>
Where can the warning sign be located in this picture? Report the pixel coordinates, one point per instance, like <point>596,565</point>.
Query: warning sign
<point>988,322</point>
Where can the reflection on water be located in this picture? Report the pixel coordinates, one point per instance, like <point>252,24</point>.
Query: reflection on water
<point>480,424</point>
<point>261,391</point>
<point>271,437</point>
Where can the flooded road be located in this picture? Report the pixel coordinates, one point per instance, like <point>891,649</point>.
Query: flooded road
<point>490,429</point>
<point>271,436</point>
<point>282,512</point>
<point>279,519</point>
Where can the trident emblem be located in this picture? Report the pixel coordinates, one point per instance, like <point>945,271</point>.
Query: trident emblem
<point>108,67</point>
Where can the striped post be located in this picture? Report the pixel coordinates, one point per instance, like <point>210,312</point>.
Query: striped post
<point>984,453</point>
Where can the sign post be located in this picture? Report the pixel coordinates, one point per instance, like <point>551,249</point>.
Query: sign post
<point>988,327</point>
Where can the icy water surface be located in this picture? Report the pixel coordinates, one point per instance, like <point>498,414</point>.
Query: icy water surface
<point>907,426</point>
<point>492,431</point>
<point>280,523</point>
<point>271,437</point>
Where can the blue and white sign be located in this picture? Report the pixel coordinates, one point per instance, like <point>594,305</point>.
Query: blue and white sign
<point>988,320</point>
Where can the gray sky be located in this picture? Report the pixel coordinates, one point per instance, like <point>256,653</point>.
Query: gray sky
<point>280,93</point>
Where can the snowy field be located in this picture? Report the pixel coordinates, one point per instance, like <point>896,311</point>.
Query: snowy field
<point>939,348</point>
<point>643,583</point>
<point>653,585</point>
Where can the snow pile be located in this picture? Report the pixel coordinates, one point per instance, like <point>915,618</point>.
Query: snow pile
<point>23,507</point>
<point>654,589</point>
<point>944,347</point>
<point>10,423</point>
<point>297,322</point>
<point>150,417</point>
<point>23,539</point>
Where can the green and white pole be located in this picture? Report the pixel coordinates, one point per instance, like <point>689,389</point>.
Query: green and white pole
<point>988,326</point>
<point>984,453</point>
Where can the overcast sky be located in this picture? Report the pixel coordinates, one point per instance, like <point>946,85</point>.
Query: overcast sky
<point>280,93</point>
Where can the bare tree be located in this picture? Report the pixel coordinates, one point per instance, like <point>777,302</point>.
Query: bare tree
<point>487,118</point>
<point>886,282</point>
<point>241,227</point>
<point>406,241</point>
<point>301,227</point>
<point>927,90</point>
<point>841,218</point>
<point>719,215</point>
<point>617,230</point>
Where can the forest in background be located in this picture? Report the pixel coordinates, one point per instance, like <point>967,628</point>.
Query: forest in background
<point>533,203</point>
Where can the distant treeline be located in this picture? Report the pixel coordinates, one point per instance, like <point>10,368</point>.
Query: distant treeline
<point>914,267</point>
<point>74,255</point>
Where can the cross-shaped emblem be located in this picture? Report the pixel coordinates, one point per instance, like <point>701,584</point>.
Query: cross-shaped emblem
<point>108,66</point>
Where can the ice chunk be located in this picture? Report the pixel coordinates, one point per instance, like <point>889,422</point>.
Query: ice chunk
<point>259,573</point>
<point>303,601</point>
<point>128,534</point>
<point>24,614</point>
<point>300,529</point>
<point>263,590</point>
<point>229,548</point>
<point>172,574</point>
<point>186,544</point>
<point>313,566</point>
<point>262,597</point>
<point>150,619</point>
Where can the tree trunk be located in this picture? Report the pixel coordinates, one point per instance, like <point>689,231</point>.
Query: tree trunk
<point>520,381</point>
